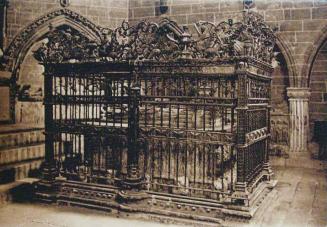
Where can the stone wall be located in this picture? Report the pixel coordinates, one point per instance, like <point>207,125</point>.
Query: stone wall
<point>30,74</point>
<point>318,86</point>
<point>299,21</point>
<point>280,108</point>
<point>21,152</point>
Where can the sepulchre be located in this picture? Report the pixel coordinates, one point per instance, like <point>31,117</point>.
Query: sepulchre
<point>155,120</point>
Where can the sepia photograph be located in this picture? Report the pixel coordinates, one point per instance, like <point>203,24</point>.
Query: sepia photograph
<point>163,113</point>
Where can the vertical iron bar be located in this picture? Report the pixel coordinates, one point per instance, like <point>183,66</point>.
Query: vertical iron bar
<point>222,167</point>
<point>194,162</point>
<point>195,115</point>
<point>121,102</point>
<point>160,161</point>
<point>161,113</point>
<point>169,157</point>
<point>185,176</point>
<point>60,122</point>
<point>169,122</point>
<point>203,167</point>
<point>204,116</point>
<point>177,159</point>
<point>232,168</point>
<point>178,106</point>
<point>186,117</point>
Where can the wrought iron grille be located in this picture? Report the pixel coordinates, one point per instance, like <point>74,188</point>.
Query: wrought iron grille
<point>189,120</point>
<point>90,121</point>
<point>185,125</point>
<point>152,109</point>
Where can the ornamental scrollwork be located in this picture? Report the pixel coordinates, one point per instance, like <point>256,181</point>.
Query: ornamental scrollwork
<point>65,44</point>
<point>251,37</point>
<point>165,41</point>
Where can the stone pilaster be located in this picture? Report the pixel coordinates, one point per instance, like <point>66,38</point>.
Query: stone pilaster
<point>299,118</point>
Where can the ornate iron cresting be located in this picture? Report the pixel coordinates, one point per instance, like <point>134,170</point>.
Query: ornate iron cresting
<point>65,44</point>
<point>166,41</point>
<point>153,112</point>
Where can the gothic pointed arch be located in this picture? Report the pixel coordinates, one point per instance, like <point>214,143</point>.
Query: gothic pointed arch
<point>37,30</point>
<point>311,54</point>
<point>20,46</point>
<point>284,76</point>
<point>287,55</point>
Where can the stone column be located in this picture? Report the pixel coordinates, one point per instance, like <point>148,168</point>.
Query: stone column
<point>299,118</point>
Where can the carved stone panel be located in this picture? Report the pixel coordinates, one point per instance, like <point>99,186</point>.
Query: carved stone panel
<point>279,134</point>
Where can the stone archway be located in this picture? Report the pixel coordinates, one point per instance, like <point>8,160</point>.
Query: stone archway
<point>311,54</point>
<point>20,48</point>
<point>279,106</point>
<point>298,97</point>
<point>284,76</point>
<point>317,82</point>
<point>304,93</point>
<point>290,63</point>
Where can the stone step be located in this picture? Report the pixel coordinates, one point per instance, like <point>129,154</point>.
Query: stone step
<point>18,163</point>
<point>16,155</point>
<point>17,138</point>
<point>20,170</point>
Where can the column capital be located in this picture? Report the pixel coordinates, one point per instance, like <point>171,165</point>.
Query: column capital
<point>298,92</point>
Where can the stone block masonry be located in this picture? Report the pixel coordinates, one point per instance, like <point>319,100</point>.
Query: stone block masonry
<point>21,151</point>
<point>318,86</point>
<point>299,22</point>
